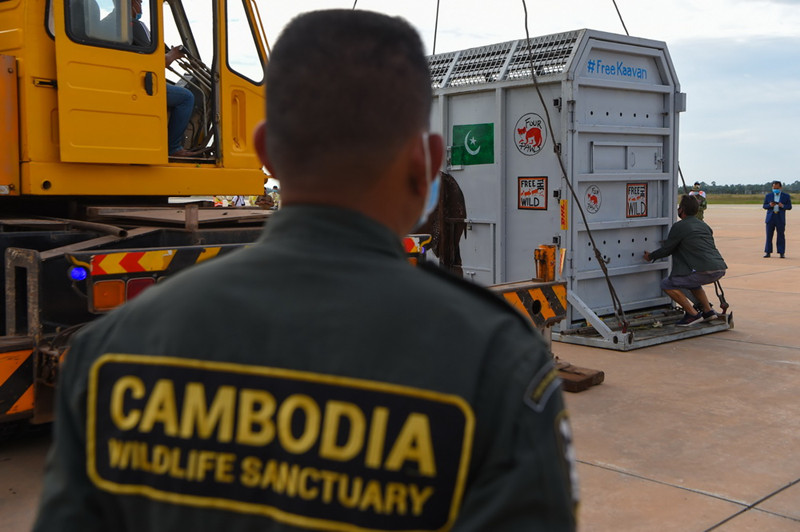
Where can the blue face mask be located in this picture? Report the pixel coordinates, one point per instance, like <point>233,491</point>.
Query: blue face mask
<point>432,198</point>
<point>138,16</point>
<point>776,191</point>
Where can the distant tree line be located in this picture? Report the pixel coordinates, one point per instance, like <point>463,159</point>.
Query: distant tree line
<point>763,188</point>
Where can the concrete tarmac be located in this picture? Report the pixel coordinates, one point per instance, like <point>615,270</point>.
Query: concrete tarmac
<point>699,434</point>
<point>21,469</point>
<point>704,433</point>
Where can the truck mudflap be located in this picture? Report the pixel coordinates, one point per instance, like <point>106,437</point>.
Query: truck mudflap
<point>28,376</point>
<point>16,378</point>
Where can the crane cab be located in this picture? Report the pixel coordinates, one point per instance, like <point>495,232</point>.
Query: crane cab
<point>91,97</point>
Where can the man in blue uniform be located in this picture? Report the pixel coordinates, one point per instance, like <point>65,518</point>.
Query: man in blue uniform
<point>776,203</point>
<point>316,380</point>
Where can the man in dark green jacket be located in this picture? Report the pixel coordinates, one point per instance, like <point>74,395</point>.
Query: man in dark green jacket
<point>695,262</point>
<point>316,380</point>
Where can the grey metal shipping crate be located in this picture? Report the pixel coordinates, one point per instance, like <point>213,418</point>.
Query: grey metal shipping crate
<point>614,103</point>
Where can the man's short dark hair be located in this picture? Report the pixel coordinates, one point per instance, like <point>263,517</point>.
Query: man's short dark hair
<point>777,183</point>
<point>689,205</point>
<point>345,89</point>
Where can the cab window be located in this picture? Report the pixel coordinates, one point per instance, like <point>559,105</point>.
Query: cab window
<point>243,57</point>
<point>51,20</point>
<point>111,23</point>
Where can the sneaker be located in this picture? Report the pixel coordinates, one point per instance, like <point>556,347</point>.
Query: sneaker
<point>710,315</point>
<point>766,255</point>
<point>689,319</point>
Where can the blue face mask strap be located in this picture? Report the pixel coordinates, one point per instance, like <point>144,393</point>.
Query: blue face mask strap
<point>433,182</point>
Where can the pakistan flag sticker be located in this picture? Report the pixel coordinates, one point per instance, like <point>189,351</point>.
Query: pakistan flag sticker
<point>472,144</point>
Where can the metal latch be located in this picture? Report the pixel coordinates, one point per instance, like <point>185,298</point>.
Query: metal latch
<point>48,83</point>
<point>148,83</point>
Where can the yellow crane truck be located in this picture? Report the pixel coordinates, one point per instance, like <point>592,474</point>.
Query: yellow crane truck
<point>85,170</point>
<point>85,174</point>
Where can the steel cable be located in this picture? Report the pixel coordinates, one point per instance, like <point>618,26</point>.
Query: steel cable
<point>618,310</point>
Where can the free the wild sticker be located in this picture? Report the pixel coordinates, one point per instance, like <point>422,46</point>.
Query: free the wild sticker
<point>311,450</point>
<point>532,193</point>
<point>635,200</point>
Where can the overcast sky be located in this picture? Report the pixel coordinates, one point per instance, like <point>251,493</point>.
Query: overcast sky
<point>737,60</point>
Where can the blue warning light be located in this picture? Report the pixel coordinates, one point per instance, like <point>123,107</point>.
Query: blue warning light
<point>78,273</point>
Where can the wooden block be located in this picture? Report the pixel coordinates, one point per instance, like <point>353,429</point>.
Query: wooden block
<point>577,379</point>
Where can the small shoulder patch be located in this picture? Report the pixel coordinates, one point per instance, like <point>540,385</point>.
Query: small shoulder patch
<point>541,388</point>
<point>474,289</point>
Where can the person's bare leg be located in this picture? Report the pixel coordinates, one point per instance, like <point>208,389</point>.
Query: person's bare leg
<point>701,297</point>
<point>680,298</point>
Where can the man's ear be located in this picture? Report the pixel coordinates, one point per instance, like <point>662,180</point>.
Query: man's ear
<point>260,141</point>
<point>420,182</point>
<point>437,151</point>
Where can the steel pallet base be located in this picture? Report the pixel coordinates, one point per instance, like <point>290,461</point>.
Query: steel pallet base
<point>646,329</point>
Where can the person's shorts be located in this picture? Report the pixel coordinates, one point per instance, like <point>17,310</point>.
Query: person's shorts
<point>692,281</point>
